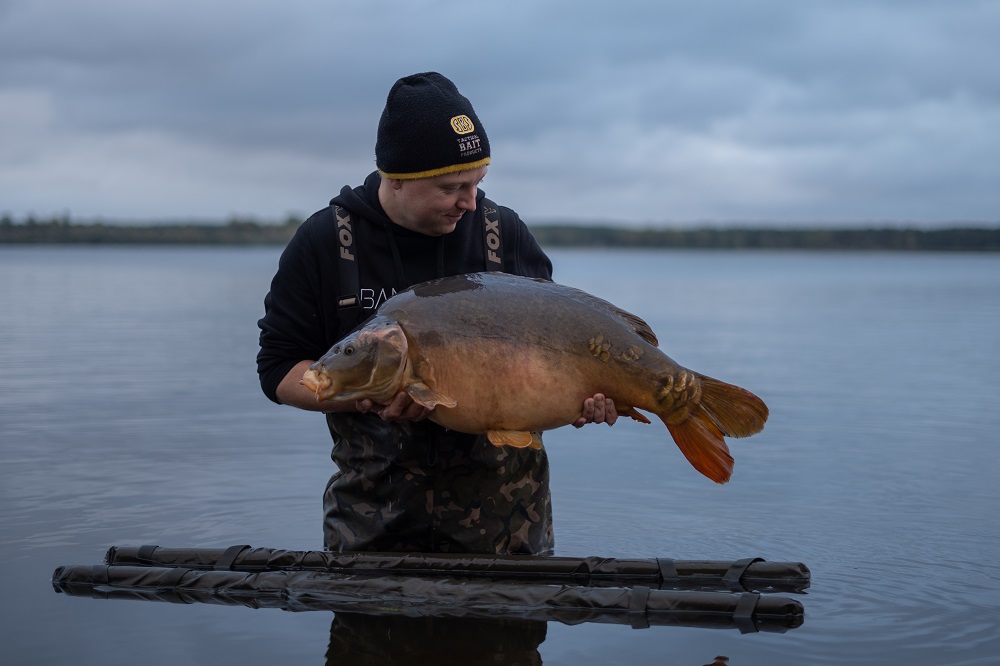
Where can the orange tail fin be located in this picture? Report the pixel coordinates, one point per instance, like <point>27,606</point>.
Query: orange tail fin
<point>724,411</point>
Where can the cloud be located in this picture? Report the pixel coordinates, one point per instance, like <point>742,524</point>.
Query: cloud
<point>843,111</point>
<point>164,176</point>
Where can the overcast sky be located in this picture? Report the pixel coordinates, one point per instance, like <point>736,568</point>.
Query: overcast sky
<point>658,112</point>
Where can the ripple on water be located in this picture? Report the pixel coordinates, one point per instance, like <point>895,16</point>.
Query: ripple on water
<point>902,605</point>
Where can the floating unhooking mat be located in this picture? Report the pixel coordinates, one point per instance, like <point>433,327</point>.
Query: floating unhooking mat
<point>749,574</point>
<point>442,586</point>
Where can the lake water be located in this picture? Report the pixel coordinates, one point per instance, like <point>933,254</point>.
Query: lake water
<point>130,414</point>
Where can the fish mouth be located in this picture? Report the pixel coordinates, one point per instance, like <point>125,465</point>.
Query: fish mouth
<point>318,383</point>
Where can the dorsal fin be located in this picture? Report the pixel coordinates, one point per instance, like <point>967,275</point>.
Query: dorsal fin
<point>635,322</point>
<point>638,325</point>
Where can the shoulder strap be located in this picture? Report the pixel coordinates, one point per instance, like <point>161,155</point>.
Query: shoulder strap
<point>347,261</point>
<point>492,240</point>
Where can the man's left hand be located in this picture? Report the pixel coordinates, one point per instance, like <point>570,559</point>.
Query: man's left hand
<point>598,409</point>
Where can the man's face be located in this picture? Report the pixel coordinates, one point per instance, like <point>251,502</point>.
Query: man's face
<point>433,206</point>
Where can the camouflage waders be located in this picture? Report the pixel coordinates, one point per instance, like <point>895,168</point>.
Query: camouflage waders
<point>418,487</point>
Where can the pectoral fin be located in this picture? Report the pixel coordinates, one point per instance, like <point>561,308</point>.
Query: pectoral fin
<point>423,394</point>
<point>517,438</point>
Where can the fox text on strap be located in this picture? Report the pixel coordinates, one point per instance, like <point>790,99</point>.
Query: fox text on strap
<point>492,240</point>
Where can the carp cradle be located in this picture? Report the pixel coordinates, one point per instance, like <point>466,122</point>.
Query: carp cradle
<point>571,590</point>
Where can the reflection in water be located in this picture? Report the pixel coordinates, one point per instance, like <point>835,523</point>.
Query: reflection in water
<point>370,640</point>
<point>295,590</point>
<point>373,626</point>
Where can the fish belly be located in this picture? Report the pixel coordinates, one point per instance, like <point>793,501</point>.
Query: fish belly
<point>514,387</point>
<point>502,388</point>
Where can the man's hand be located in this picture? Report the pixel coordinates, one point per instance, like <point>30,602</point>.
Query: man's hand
<point>402,408</point>
<point>598,409</point>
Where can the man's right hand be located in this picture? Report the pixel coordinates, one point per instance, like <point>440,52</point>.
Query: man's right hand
<point>402,408</point>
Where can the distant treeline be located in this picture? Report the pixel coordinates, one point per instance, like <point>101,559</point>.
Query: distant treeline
<point>61,230</point>
<point>249,232</point>
<point>967,239</point>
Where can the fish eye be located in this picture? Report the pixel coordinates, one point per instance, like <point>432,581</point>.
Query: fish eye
<point>348,350</point>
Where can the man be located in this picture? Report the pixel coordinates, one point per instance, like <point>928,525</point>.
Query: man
<point>404,483</point>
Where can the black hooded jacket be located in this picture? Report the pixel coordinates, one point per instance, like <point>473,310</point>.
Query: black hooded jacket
<point>415,485</point>
<point>302,320</point>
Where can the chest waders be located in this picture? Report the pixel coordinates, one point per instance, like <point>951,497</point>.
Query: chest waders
<point>416,486</point>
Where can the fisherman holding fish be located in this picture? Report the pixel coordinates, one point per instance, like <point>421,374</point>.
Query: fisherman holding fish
<point>403,482</point>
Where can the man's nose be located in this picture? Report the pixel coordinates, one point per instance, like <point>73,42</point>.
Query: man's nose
<point>468,199</point>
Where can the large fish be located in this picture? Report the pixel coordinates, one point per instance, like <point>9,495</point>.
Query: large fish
<point>511,356</point>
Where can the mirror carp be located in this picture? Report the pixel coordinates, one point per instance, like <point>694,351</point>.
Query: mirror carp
<point>509,357</point>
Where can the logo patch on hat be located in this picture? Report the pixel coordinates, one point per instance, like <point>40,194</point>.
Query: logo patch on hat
<point>462,125</point>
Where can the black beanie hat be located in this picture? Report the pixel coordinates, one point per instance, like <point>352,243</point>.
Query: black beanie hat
<point>427,129</point>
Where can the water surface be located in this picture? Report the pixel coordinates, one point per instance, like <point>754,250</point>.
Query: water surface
<point>130,413</point>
